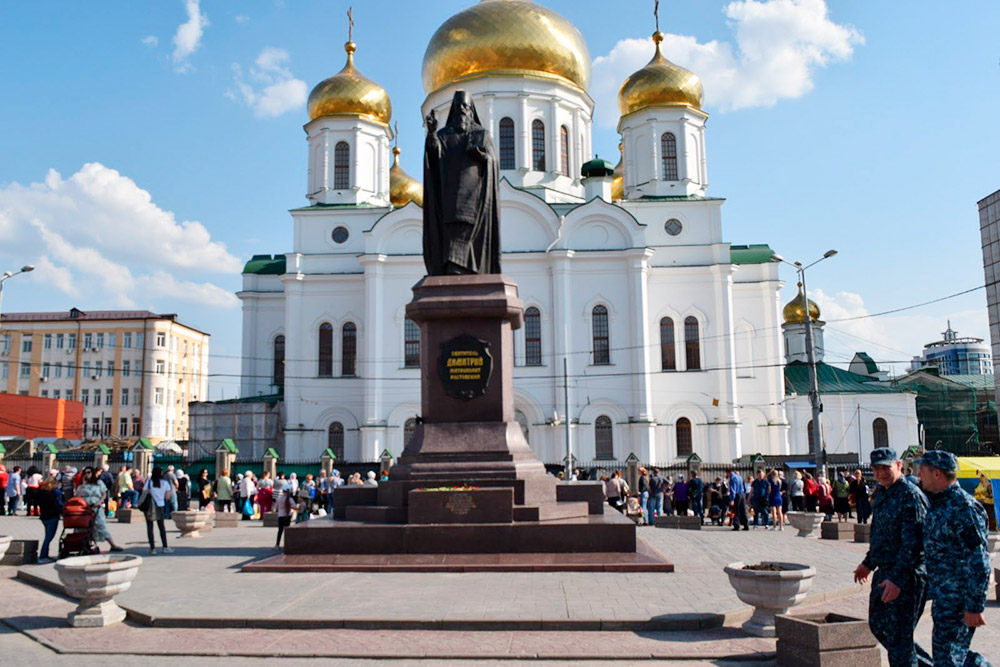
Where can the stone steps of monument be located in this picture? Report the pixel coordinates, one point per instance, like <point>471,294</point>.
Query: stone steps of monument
<point>551,511</point>
<point>375,514</point>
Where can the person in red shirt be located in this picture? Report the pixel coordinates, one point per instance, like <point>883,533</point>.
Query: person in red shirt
<point>809,488</point>
<point>3,478</point>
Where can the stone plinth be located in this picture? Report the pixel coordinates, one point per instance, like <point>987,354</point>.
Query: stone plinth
<point>129,515</point>
<point>862,532</point>
<point>95,580</point>
<point>226,519</point>
<point>464,506</point>
<point>837,530</point>
<point>825,640</point>
<point>270,520</point>
<point>590,492</point>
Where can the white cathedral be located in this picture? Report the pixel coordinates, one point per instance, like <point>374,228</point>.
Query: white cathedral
<point>671,336</point>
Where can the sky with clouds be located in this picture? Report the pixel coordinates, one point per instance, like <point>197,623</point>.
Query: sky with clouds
<point>153,147</point>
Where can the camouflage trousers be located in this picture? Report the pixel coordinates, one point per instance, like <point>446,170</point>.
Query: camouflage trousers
<point>893,623</point>
<point>952,636</point>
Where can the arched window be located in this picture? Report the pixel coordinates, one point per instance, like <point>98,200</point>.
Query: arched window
<point>602,343</point>
<point>335,440</point>
<point>692,348</point>
<point>507,144</point>
<point>409,426</point>
<point>342,166</point>
<point>325,350</point>
<point>532,337</point>
<point>411,344</point>
<point>809,436</point>
<point>683,429</point>
<point>881,432</point>
<point>564,151</point>
<point>668,149</point>
<point>668,355</point>
<point>278,369</point>
<point>537,145</point>
<point>349,349</point>
<point>522,421</point>
<point>604,443</point>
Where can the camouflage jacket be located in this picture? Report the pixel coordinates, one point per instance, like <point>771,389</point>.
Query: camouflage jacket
<point>896,544</point>
<point>955,546</point>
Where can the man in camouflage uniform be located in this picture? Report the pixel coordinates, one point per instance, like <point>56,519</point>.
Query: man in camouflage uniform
<point>958,564</point>
<point>896,555</point>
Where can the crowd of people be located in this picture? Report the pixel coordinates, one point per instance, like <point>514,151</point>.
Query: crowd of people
<point>733,500</point>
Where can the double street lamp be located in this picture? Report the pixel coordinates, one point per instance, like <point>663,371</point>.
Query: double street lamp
<point>815,435</point>
<point>27,268</point>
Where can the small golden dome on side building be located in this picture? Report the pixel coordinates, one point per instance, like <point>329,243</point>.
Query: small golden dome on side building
<point>618,178</point>
<point>661,83</point>
<point>512,37</point>
<point>794,311</point>
<point>349,92</point>
<point>403,188</point>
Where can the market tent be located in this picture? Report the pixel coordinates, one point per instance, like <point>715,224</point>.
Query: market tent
<point>988,465</point>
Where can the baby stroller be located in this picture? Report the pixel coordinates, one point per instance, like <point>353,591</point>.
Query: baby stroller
<point>77,537</point>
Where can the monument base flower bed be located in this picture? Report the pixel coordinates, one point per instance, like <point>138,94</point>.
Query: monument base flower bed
<point>95,580</point>
<point>461,505</point>
<point>825,640</point>
<point>771,588</point>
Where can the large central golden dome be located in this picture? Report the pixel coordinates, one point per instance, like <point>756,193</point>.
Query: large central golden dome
<point>512,37</point>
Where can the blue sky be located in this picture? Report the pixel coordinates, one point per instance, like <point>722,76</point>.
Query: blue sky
<point>151,148</point>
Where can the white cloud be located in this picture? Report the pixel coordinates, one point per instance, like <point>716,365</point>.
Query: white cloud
<point>150,40</point>
<point>889,338</point>
<point>241,19</point>
<point>778,44</point>
<point>97,233</point>
<point>187,39</point>
<point>272,89</point>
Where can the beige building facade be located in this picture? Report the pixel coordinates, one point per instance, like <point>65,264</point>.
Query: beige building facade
<point>134,371</point>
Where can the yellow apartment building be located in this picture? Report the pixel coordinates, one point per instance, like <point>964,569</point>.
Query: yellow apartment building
<point>134,371</point>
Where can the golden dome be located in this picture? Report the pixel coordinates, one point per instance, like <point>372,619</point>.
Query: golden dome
<point>794,311</point>
<point>618,180</point>
<point>350,92</point>
<point>402,187</point>
<point>660,84</point>
<point>512,37</point>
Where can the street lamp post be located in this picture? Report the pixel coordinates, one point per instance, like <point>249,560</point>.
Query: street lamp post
<point>27,268</point>
<point>815,436</point>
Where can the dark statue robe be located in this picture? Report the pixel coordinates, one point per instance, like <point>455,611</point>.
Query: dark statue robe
<point>461,195</point>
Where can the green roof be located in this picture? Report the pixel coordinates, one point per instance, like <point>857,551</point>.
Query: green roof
<point>228,444</point>
<point>103,449</point>
<point>832,380</point>
<point>51,448</point>
<point>273,453</point>
<point>676,198</point>
<point>976,382</point>
<point>265,265</point>
<point>869,363</point>
<point>265,398</point>
<point>597,167</point>
<point>144,443</point>
<point>758,253</point>
<point>3,450</point>
<point>329,452</point>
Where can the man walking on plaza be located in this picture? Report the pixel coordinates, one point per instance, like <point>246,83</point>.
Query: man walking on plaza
<point>958,564</point>
<point>895,553</point>
<point>738,500</point>
<point>696,493</point>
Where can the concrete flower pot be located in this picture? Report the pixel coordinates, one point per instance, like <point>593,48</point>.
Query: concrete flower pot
<point>5,541</point>
<point>95,580</point>
<point>770,592</point>
<point>191,522</point>
<point>822,640</point>
<point>805,522</point>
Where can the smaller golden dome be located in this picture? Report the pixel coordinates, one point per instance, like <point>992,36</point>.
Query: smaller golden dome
<point>618,180</point>
<point>350,92</point>
<point>794,311</point>
<point>402,187</point>
<point>661,83</point>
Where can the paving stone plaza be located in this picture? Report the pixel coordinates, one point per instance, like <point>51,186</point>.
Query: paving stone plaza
<point>197,602</point>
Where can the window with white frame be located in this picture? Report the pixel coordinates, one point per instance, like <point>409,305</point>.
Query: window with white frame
<point>100,341</point>
<point>161,339</point>
<point>126,368</point>
<point>88,341</point>
<point>158,395</point>
<point>26,343</point>
<point>85,396</point>
<point>109,397</point>
<point>47,342</point>
<point>71,341</point>
<point>60,341</point>
<point>112,339</point>
<point>127,339</point>
<point>58,369</point>
<point>46,370</point>
<point>25,370</point>
<point>159,366</point>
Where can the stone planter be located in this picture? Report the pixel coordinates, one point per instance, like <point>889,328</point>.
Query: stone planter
<point>825,640</point>
<point>95,580</point>
<point>191,522</point>
<point>226,519</point>
<point>5,541</point>
<point>805,522</point>
<point>770,592</point>
<point>836,530</point>
<point>862,532</point>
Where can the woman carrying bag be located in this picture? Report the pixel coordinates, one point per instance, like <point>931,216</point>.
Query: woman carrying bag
<point>156,493</point>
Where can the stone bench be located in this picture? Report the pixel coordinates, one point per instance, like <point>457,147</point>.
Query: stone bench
<point>862,532</point>
<point>226,519</point>
<point>129,515</point>
<point>837,530</point>
<point>23,552</point>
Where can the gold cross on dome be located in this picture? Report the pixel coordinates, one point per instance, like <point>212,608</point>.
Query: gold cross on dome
<point>656,13</point>
<point>350,24</point>
<point>395,132</point>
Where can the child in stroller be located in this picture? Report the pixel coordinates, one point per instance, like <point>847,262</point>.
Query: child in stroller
<point>715,515</point>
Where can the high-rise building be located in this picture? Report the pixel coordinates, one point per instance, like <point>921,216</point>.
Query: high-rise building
<point>989,229</point>
<point>134,371</point>
<point>953,355</point>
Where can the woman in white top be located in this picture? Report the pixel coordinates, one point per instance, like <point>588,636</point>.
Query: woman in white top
<point>159,492</point>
